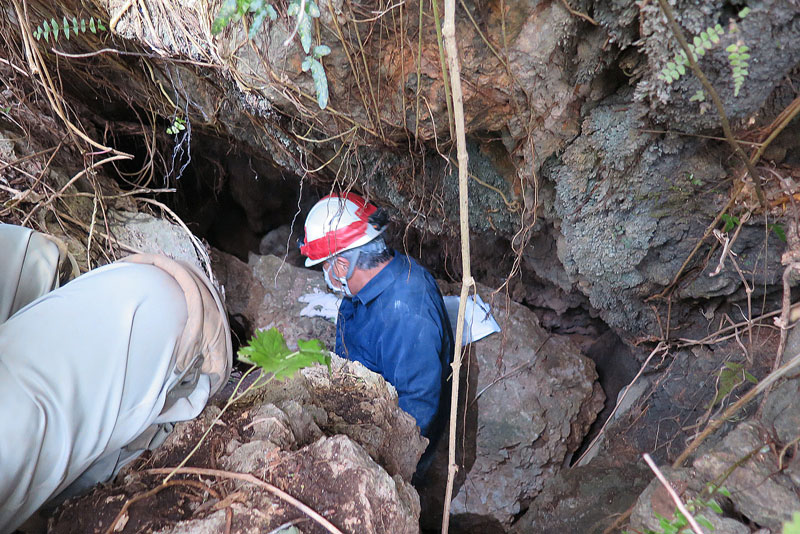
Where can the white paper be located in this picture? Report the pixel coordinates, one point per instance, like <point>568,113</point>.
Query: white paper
<point>478,320</point>
<point>320,304</point>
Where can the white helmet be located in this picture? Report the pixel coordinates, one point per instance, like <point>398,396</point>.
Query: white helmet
<point>336,224</point>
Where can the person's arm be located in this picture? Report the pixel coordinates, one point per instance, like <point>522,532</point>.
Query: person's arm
<point>409,351</point>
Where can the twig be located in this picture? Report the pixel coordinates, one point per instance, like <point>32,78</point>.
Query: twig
<point>782,321</point>
<point>726,127</point>
<point>250,479</point>
<point>584,16</point>
<point>660,347</point>
<point>762,386</point>
<point>671,491</point>
<point>115,19</point>
<point>449,33</point>
<point>147,494</point>
<point>302,13</point>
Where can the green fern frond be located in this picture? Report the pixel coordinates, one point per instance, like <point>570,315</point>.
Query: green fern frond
<point>68,27</point>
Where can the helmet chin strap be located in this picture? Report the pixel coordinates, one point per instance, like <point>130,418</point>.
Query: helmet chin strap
<point>344,288</point>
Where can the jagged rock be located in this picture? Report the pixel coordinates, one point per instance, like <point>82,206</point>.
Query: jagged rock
<point>152,235</point>
<point>656,500</point>
<point>265,292</point>
<point>531,398</point>
<point>359,482</point>
<point>759,490</point>
<point>585,499</point>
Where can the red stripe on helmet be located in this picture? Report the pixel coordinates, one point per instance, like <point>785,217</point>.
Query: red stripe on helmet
<point>335,241</point>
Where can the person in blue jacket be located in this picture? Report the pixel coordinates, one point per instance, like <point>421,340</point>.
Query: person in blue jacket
<point>392,318</point>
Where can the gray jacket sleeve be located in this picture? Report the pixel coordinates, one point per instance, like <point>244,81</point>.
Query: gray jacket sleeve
<point>28,270</point>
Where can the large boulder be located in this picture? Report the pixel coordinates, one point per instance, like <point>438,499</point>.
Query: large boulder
<point>759,491</point>
<point>586,499</point>
<point>530,399</point>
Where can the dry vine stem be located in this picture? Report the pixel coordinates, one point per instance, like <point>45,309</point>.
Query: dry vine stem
<point>672,494</point>
<point>449,34</point>
<point>250,479</point>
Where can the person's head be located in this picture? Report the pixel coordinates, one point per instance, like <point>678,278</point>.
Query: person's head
<point>344,234</point>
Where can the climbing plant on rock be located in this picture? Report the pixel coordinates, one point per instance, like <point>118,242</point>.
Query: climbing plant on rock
<point>304,11</point>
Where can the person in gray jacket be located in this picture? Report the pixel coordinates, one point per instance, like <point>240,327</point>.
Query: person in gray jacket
<point>95,372</point>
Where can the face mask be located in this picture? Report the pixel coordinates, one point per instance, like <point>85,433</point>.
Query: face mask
<point>344,289</point>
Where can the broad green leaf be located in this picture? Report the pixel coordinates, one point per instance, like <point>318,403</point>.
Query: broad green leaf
<point>100,25</point>
<point>681,70</point>
<point>305,30</point>
<point>732,48</point>
<point>778,229</point>
<point>306,65</point>
<point>227,11</point>
<point>268,350</point>
<point>704,36</point>
<point>697,41</point>
<point>744,12</point>
<point>701,51</point>
<point>719,29</point>
<point>321,50</point>
<point>722,490</point>
<point>744,48</point>
<point>320,83</point>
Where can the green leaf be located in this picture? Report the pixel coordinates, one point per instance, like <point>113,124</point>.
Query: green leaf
<point>730,222</point>
<point>778,229</point>
<point>704,35</point>
<point>100,25</point>
<point>306,65</point>
<point>92,27</point>
<point>681,70</point>
<point>732,48</point>
<point>697,42</point>
<point>714,505</point>
<point>54,26</point>
<point>719,29</point>
<point>744,48</point>
<point>75,25</point>
<point>258,21</point>
<point>312,8</point>
<point>268,350</point>
<point>227,11</point>
<point>66,28</point>
<point>699,96</point>
<point>744,12</point>
<point>305,30</point>
<point>321,50</point>
<point>701,51</point>
<point>320,83</point>
<point>793,526</point>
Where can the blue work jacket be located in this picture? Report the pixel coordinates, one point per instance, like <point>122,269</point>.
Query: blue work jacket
<point>397,326</point>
